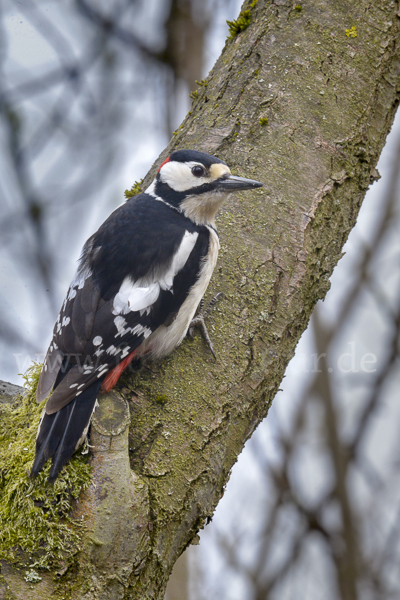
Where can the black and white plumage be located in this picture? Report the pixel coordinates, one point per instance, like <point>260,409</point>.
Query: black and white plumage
<point>140,279</point>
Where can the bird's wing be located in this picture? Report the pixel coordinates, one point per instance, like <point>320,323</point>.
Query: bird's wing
<point>71,332</point>
<point>116,302</point>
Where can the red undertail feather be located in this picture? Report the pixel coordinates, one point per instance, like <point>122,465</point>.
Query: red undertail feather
<point>112,377</point>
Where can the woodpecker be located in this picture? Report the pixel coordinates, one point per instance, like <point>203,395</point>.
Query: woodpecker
<point>139,282</point>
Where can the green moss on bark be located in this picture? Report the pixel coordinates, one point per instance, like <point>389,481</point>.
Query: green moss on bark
<point>135,189</point>
<point>36,523</point>
<point>240,24</point>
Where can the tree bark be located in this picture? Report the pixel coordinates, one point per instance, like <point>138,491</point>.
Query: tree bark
<point>302,100</point>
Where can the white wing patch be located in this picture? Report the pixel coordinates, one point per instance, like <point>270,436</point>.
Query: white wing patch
<point>120,323</point>
<point>112,350</point>
<point>135,296</point>
<point>138,329</point>
<point>71,293</point>
<point>178,262</point>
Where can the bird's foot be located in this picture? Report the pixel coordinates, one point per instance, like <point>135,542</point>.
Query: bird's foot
<point>199,321</point>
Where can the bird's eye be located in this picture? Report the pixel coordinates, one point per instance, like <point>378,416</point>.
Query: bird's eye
<point>198,171</point>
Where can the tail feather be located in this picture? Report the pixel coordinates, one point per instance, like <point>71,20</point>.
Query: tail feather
<point>46,442</point>
<point>59,433</point>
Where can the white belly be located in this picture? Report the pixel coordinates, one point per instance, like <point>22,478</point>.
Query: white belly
<point>164,339</point>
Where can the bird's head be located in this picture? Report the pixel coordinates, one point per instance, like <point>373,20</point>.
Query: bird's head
<point>197,183</point>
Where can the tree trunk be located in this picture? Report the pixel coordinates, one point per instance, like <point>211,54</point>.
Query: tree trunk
<point>301,99</point>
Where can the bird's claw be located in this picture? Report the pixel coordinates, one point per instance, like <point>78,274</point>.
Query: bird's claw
<point>199,321</point>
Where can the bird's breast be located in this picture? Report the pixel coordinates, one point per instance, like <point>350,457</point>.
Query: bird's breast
<point>164,339</point>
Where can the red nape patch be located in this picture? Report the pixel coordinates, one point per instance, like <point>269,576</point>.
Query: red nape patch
<point>165,161</point>
<point>112,377</point>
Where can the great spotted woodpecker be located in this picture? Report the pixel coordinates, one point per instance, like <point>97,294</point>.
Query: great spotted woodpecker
<point>140,279</point>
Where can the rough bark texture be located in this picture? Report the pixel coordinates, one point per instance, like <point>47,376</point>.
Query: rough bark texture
<point>8,391</point>
<point>302,100</point>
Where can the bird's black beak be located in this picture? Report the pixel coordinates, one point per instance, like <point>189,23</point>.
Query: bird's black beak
<point>232,183</point>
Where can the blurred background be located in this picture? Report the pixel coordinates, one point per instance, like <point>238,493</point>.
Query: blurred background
<point>90,93</point>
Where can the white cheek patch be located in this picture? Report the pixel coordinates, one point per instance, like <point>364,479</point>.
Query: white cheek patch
<point>136,296</point>
<point>179,176</point>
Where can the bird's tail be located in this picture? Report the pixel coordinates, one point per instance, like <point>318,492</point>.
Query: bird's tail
<point>60,433</point>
